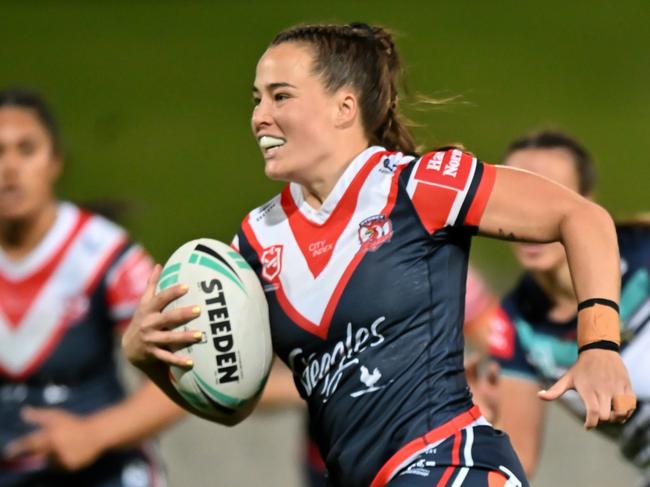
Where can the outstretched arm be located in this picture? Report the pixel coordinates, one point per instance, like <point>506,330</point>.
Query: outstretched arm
<point>527,207</point>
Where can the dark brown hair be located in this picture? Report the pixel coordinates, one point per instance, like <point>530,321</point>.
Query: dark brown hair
<point>31,100</point>
<point>554,139</point>
<point>364,58</point>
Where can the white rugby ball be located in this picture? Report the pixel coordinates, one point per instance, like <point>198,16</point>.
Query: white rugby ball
<point>232,362</point>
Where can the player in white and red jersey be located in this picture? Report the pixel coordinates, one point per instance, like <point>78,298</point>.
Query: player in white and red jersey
<point>69,281</point>
<point>363,257</point>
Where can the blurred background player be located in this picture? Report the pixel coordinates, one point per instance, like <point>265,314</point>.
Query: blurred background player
<point>69,281</point>
<point>534,332</point>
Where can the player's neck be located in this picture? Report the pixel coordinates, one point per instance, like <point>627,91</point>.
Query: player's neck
<point>317,188</point>
<point>19,237</point>
<point>558,286</point>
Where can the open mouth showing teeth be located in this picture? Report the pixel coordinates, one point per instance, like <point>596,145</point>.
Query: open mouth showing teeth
<point>268,142</point>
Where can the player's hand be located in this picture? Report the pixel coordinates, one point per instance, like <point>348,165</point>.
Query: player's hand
<point>149,337</point>
<point>483,379</point>
<point>62,439</point>
<point>601,380</point>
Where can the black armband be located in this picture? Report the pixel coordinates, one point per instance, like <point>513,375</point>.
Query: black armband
<point>593,301</point>
<point>602,345</point>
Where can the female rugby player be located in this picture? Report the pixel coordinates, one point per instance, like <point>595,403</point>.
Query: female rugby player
<point>69,280</point>
<point>535,330</point>
<point>363,257</point>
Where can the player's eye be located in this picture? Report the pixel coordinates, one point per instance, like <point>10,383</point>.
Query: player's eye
<point>256,100</point>
<point>281,96</point>
<point>26,147</point>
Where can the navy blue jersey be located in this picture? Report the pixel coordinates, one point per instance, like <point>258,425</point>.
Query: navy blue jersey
<point>529,345</point>
<point>366,302</point>
<point>60,308</point>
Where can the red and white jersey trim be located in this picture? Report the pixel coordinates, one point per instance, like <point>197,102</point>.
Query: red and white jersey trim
<point>126,282</point>
<point>309,298</point>
<point>58,296</point>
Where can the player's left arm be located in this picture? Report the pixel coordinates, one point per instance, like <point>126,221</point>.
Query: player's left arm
<point>525,207</point>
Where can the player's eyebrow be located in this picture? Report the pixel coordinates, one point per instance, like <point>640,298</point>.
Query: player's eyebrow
<point>273,86</point>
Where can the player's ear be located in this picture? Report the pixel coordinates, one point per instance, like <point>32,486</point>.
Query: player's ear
<point>347,108</point>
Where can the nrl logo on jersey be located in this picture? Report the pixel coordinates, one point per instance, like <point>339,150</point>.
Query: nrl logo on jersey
<point>271,262</point>
<point>374,231</point>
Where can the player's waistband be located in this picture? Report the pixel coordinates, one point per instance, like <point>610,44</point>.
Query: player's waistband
<point>402,456</point>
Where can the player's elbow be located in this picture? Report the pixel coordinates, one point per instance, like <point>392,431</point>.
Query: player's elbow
<point>585,214</point>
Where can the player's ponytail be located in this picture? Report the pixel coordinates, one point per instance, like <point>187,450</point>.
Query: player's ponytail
<point>362,57</point>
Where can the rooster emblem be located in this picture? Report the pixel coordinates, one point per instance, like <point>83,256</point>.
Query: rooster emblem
<point>370,379</point>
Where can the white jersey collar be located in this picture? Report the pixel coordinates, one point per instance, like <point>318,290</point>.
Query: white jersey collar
<point>321,215</point>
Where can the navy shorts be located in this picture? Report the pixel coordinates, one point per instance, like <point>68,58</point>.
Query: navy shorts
<point>473,457</point>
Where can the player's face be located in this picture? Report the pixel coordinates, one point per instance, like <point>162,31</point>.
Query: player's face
<point>293,116</point>
<point>28,165</point>
<point>557,165</point>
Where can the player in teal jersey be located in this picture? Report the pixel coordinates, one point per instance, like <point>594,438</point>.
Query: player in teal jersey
<point>534,332</point>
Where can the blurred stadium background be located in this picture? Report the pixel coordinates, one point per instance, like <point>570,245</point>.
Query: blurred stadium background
<point>154,103</point>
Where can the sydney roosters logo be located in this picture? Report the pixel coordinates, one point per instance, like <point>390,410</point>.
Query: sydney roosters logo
<point>374,231</point>
<point>271,262</point>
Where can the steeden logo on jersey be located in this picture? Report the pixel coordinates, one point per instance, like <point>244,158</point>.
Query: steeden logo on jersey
<point>271,262</point>
<point>374,231</point>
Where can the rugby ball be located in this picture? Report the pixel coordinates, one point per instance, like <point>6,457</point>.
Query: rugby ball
<point>233,359</point>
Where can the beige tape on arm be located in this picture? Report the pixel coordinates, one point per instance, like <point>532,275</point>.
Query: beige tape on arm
<point>596,323</point>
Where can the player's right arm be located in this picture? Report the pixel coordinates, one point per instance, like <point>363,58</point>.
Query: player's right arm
<point>150,338</point>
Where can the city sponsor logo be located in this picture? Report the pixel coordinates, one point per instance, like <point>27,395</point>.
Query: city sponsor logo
<point>320,247</point>
<point>221,332</point>
<point>322,373</point>
<point>374,231</point>
<point>271,262</point>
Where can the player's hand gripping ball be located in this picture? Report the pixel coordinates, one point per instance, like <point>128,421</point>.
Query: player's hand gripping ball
<point>232,361</point>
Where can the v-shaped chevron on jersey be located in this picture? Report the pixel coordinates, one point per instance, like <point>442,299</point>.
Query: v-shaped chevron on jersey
<point>309,287</point>
<point>49,293</point>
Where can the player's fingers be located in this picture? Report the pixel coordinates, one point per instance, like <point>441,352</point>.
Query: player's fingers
<point>171,359</point>
<point>493,372</point>
<point>562,385</point>
<point>166,296</point>
<point>32,444</point>
<point>592,409</point>
<point>175,317</point>
<point>41,416</point>
<point>150,290</point>
<point>177,339</point>
<point>604,408</point>
<point>623,406</point>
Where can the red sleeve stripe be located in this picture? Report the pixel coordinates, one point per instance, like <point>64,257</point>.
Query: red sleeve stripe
<point>479,202</point>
